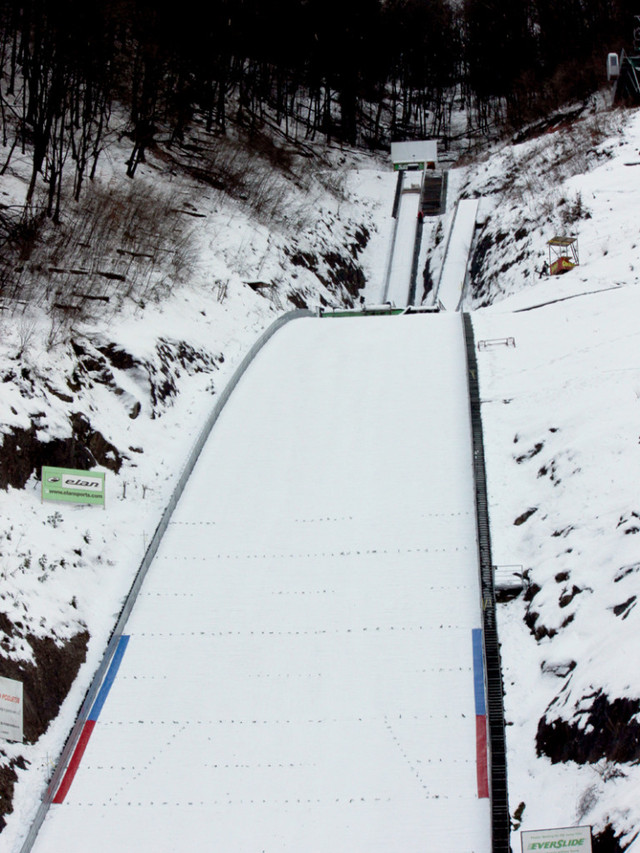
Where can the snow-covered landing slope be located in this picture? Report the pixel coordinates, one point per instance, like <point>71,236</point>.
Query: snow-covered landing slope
<point>299,673</point>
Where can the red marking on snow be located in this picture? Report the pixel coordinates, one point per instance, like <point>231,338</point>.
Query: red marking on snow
<point>76,758</point>
<point>481,757</point>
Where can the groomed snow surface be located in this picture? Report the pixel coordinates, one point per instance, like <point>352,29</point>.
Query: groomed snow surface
<point>454,269</point>
<point>399,283</point>
<point>299,674</point>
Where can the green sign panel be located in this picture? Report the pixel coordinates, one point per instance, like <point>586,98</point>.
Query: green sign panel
<point>565,838</point>
<point>403,167</point>
<point>72,486</point>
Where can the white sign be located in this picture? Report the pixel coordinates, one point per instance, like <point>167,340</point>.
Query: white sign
<point>404,154</point>
<point>11,711</point>
<point>566,838</point>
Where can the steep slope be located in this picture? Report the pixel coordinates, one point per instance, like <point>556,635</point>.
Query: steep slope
<point>299,669</point>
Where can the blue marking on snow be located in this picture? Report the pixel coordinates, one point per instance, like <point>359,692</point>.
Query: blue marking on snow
<point>116,660</point>
<point>478,672</point>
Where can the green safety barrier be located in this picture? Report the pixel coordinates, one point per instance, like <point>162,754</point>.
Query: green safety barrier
<point>381,313</point>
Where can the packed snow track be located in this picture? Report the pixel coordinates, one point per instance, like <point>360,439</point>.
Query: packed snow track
<point>299,673</point>
<point>397,287</point>
<point>457,255</point>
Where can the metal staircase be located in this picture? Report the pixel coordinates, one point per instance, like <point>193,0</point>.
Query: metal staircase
<point>434,194</point>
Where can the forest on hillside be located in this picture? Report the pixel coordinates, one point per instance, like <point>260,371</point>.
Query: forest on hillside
<point>364,72</point>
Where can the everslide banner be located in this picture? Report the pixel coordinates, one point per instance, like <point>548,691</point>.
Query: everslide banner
<point>11,713</point>
<point>72,486</point>
<point>567,838</point>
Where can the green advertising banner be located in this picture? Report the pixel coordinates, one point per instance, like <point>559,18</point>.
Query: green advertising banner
<point>565,838</point>
<point>406,167</point>
<point>73,486</point>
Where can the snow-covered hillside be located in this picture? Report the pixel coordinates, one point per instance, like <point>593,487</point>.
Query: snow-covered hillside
<point>561,413</point>
<point>132,383</point>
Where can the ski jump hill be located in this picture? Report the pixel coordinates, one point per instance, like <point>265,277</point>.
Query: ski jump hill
<point>298,670</point>
<point>301,663</point>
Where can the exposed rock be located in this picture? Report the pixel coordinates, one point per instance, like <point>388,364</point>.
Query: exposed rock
<point>22,454</point>
<point>525,516</point>
<point>343,272</point>
<point>558,668</point>
<point>103,452</point>
<point>119,358</point>
<point>606,729</point>
<point>8,779</point>
<point>47,681</point>
<point>606,841</point>
<point>530,453</point>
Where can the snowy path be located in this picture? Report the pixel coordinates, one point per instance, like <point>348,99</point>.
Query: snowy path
<point>456,259</point>
<point>299,673</point>
<point>399,283</point>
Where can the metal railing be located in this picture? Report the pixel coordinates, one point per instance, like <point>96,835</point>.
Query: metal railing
<point>417,243</point>
<point>500,819</point>
<point>394,234</point>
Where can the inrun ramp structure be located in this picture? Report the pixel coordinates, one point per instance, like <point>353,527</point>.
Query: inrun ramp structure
<point>298,671</point>
<point>398,277</point>
<point>457,255</point>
